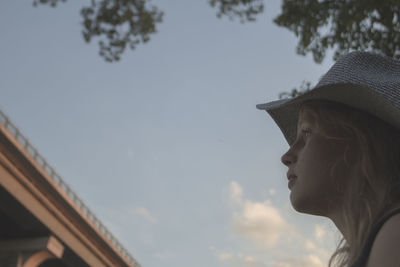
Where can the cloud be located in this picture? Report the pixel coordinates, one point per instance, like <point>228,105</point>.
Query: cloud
<point>242,260</point>
<point>259,222</point>
<point>319,233</point>
<point>237,260</point>
<point>272,191</point>
<point>236,193</point>
<point>146,214</point>
<point>224,256</point>
<point>317,251</point>
<point>309,245</point>
<point>248,259</point>
<point>263,225</point>
<point>309,260</point>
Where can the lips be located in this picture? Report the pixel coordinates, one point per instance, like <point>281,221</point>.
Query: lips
<point>292,180</point>
<point>290,175</point>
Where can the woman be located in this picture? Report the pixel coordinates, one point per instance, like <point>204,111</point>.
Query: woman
<point>344,156</point>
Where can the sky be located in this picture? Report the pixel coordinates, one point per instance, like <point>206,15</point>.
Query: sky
<point>166,146</point>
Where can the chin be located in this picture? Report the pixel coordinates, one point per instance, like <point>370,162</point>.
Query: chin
<point>308,206</point>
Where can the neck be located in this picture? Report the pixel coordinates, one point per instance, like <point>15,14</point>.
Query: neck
<point>338,220</point>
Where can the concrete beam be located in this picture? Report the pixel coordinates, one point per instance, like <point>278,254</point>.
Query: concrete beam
<point>50,244</point>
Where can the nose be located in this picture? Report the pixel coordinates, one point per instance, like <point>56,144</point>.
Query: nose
<point>289,157</point>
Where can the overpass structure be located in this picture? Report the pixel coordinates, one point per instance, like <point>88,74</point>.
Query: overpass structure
<point>43,223</point>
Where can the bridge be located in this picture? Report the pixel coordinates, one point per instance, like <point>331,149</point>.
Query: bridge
<point>43,223</point>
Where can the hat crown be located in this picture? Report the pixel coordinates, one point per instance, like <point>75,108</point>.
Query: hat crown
<point>366,81</point>
<point>381,73</point>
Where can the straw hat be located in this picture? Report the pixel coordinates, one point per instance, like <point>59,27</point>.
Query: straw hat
<point>366,81</point>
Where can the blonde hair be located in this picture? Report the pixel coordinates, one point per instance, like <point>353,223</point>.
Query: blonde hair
<point>373,153</point>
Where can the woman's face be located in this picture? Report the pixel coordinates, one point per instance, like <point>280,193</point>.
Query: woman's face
<point>311,158</point>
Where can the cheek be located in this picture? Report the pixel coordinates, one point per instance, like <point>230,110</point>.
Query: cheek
<point>339,158</point>
<point>332,169</point>
<point>314,159</point>
<point>321,163</point>
<point>340,175</point>
<point>316,190</point>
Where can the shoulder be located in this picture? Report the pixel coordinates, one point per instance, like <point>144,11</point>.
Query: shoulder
<point>385,250</point>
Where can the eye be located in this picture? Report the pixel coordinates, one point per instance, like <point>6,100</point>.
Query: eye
<point>306,132</point>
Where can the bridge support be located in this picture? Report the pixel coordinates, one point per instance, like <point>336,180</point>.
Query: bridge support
<point>29,252</point>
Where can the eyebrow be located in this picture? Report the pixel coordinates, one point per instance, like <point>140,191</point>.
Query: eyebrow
<point>306,117</point>
<point>302,121</point>
<point>308,123</point>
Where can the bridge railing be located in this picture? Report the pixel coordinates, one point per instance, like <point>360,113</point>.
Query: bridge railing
<point>65,187</point>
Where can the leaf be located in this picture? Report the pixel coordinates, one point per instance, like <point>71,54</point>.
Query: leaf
<point>345,25</point>
<point>245,10</point>
<point>119,23</point>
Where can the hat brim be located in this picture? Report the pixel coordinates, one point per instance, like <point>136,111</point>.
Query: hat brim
<point>285,111</point>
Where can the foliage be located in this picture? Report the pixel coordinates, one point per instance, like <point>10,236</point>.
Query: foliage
<point>341,25</point>
<point>117,23</point>
<point>304,88</point>
<point>246,10</point>
<point>52,3</point>
<point>346,24</point>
